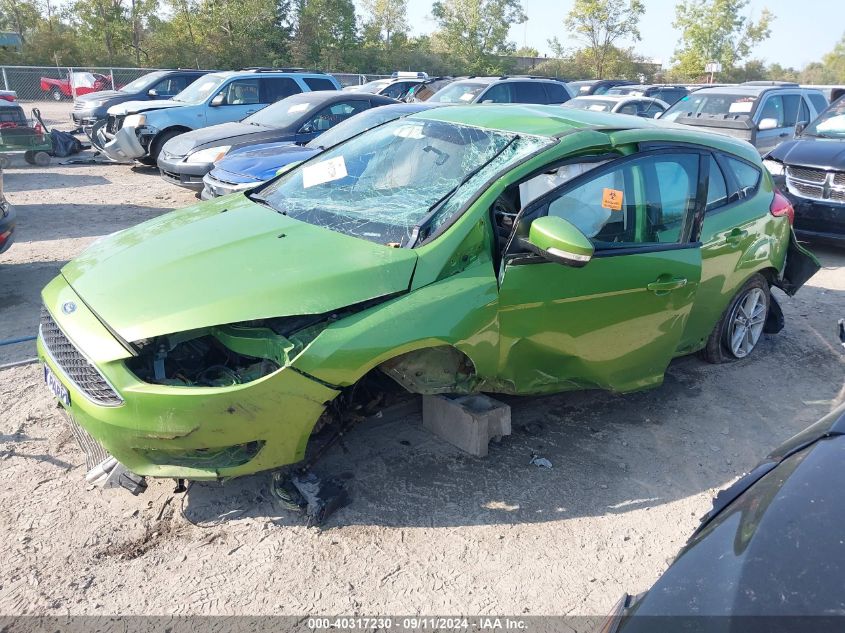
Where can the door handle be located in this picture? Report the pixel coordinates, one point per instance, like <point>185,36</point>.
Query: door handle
<point>736,236</point>
<point>662,285</point>
<point>783,134</point>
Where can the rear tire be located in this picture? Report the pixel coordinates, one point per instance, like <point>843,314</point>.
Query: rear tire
<point>56,94</point>
<point>156,145</point>
<point>741,326</point>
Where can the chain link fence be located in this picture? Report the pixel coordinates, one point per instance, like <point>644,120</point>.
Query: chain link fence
<point>53,89</point>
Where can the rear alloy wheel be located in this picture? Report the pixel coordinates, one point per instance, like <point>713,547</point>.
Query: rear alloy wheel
<point>56,94</point>
<point>746,322</point>
<point>741,326</point>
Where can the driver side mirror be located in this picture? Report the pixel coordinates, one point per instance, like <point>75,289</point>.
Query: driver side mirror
<point>560,241</point>
<point>799,127</point>
<point>767,124</point>
<point>219,100</point>
<point>307,128</point>
<point>152,92</point>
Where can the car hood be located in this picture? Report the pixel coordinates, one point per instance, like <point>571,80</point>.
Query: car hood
<point>226,261</point>
<point>104,95</point>
<point>825,153</point>
<point>134,107</point>
<point>263,161</point>
<point>222,134</point>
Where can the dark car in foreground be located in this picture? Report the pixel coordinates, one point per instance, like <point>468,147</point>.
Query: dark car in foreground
<point>161,84</point>
<point>250,166</point>
<point>769,556</point>
<point>810,170</point>
<point>186,158</point>
<point>7,219</point>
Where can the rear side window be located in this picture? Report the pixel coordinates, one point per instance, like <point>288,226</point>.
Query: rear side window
<point>556,93</point>
<point>670,95</point>
<point>747,176</point>
<point>277,88</point>
<point>717,189</point>
<point>818,101</point>
<point>318,83</point>
<point>528,92</point>
<point>790,109</point>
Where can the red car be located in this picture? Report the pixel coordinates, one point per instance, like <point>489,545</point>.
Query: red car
<point>79,83</point>
<point>8,95</point>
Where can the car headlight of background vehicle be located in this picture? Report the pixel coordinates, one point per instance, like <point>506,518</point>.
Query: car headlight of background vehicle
<point>135,120</point>
<point>208,155</point>
<point>775,167</point>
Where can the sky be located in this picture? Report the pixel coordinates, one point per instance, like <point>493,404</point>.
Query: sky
<point>802,31</point>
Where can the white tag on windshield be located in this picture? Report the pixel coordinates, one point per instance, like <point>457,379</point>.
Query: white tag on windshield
<point>299,107</point>
<point>467,96</point>
<point>741,107</point>
<point>325,171</point>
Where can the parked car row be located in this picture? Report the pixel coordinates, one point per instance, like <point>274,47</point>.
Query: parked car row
<point>247,125</point>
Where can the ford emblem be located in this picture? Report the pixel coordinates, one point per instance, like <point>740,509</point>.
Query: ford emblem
<point>68,307</point>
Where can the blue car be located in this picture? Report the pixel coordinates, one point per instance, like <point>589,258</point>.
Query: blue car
<point>137,130</point>
<point>250,166</point>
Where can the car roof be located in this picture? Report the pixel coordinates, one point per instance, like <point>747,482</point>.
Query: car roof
<point>555,121</point>
<point>333,96</point>
<point>752,90</point>
<point>491,80</point>
<point>226,74</point>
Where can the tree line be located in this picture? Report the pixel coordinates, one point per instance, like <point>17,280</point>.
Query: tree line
<point>598,38</point>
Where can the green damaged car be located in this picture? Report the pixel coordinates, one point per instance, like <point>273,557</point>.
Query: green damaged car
<point>509,249</point>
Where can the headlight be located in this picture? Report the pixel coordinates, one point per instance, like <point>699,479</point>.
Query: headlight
<point>208,155</point>
<point>775,167</point>
<point>135,120</point>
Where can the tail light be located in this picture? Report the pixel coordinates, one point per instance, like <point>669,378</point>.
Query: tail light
<point>781,206</point>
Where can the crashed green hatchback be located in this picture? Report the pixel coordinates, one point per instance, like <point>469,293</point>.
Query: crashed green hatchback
<point>509,249</point>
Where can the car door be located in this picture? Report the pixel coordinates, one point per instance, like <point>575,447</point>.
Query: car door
<point>780,111</point>
<point>235,100</point>
<point>617,322</point>
<point>330,116</point>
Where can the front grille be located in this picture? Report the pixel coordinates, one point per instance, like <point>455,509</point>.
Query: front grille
<point>94,452</point>
<point>808,191</point>
<point>839,179</point>
<point>74,365</point>
<point>837,195</point>
<point>78,105</point>
<point>807,174</point>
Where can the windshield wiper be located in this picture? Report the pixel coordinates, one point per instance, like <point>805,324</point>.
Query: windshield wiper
<point>434,208</point>
<point>264,202</point>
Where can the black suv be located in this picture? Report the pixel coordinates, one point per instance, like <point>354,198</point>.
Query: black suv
<point>810,170</point>
<point>161,84</point>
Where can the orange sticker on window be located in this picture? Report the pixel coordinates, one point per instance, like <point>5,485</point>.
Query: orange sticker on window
<point>611,199</point>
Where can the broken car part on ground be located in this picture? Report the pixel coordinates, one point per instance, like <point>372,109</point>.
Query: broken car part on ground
<point>519,250</point>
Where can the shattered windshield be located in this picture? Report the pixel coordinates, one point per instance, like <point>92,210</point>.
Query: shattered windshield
<point>198,91</point>
<point>382,184</point>
<point>458,92</point>
<point>830,123</point>
<point>142,82</point>
<point>354,125</point>
<point>711,104</point>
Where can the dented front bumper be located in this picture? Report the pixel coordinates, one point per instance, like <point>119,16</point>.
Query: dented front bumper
<point>177,431</point>
<point>124,146</point>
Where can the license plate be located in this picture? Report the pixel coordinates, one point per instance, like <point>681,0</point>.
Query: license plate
<point>55,385</point>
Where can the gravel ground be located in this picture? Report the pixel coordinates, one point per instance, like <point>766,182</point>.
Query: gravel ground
<point>429,530</point>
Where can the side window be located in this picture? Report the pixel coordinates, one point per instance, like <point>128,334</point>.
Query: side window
<point>500,93</point>
<point>772,109</point>
<point>555,93</point>
<point>804,112</point>
<point>242,92</point>
<point>331,115</point>
<point>318,83</point>
<point>629,108</point>
<point>528,92</point>
<point>396,90</point>
<point>817,100</point>
<point>649,108</point>
<point>717,189</point>
<point>790,109</point>
<point>643,201</point>
<point>747,176</point>
<point>278,88</point>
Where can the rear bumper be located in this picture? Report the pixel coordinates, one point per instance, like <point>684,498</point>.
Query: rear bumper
<point>176,171</point>
<point>7,226</point>
<point>199,433</point>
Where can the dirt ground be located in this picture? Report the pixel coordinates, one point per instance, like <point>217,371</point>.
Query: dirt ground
<point>429,530</point>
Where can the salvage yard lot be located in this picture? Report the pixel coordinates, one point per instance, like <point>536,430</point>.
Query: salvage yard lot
<point>429,530</point>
